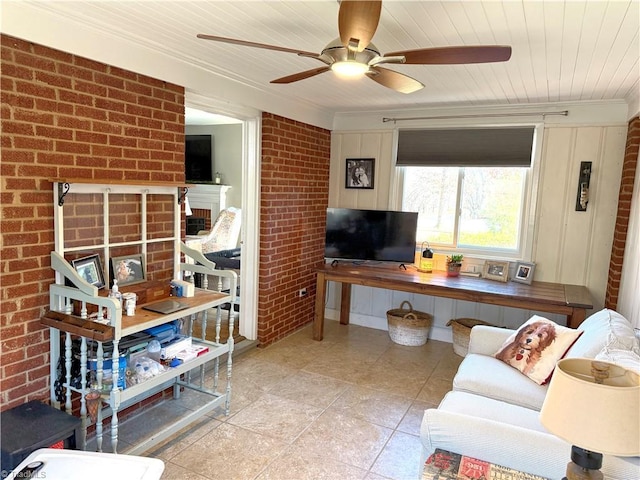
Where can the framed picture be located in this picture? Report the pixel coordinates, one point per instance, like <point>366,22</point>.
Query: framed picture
<point>359,173</point>
<point>90,268</point>
<point>495,270</point>
<point>128,269</point>
<point>524,272</point>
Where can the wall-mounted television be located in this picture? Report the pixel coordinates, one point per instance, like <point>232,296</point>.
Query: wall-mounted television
<point>380,235</point>
<point>198,161</point>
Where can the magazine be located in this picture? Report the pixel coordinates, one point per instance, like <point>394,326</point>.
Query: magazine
<point>443,465</point>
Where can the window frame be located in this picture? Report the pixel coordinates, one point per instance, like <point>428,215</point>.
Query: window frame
<point>529,203</point>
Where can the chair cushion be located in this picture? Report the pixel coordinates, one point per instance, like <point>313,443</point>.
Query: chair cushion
<point>506,435</point>
<point>536,347</point>
<point>496,432</point>
<point>491,409</point>
<point>487,376</point>
<point>606,328</point>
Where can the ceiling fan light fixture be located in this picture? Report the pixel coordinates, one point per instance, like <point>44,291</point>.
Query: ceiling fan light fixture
<point>349,68</point>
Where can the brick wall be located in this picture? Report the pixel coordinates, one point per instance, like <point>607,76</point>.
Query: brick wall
<point>294,198</point>
<point>64,116</point>
<point>624,210</point>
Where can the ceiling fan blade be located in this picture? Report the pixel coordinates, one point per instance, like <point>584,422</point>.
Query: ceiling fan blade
<point>455,55</point>
<point>394,80</point>
<point>357,22</point>
<point>301,75</point>
<point>256,45</point>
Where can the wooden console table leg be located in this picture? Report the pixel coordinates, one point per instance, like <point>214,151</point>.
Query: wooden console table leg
<point>318,319</point>
<point>576,318</point>
<point>345,303</point>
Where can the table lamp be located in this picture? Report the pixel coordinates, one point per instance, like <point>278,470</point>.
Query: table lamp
<point>595,406</point>
<point>426,259</point>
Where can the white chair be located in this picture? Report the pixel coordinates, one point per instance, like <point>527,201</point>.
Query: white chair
<point>224,233</point>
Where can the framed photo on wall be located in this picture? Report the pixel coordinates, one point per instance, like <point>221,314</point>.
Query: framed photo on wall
<point>90,269</point>
<point>524,272</point>
<point>496,270</point>
<point>359,173</point>
<point>128,269</point>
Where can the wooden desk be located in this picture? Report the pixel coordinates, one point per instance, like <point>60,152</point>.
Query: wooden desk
<point>569,300</point>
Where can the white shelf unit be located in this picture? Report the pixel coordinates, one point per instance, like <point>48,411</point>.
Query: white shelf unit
<point>114,326</point>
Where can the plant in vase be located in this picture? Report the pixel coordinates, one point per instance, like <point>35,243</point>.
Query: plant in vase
<point>454,264</point>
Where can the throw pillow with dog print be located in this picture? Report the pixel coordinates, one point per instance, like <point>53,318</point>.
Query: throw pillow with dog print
<point>536,347</point>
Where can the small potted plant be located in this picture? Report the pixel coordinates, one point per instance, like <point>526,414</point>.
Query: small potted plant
<point>454,264</point>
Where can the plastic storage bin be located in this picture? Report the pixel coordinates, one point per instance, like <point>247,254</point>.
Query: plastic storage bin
<point>35,425</point>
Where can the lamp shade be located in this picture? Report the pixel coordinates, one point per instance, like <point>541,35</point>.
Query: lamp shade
<point>599,417</point>
<point>187,207</point>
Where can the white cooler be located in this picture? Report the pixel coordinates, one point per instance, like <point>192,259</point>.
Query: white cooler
<point>79,465</point>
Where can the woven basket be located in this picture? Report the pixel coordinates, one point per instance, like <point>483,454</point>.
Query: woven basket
<point>408,326</point>
<point>462,333</point>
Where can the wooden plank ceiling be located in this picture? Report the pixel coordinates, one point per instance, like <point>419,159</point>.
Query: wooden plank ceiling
<point>562,50</point>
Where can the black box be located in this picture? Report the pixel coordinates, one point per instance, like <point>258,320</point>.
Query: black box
<point>35,425</point>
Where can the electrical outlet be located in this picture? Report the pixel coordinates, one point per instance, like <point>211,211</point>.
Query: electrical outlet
<point>302,292</point>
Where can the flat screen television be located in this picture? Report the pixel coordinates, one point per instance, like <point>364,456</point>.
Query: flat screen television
<point>198,162</point>
<point>380,235</point>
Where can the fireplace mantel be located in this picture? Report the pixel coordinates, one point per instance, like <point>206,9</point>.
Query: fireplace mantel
<point>208,197</point>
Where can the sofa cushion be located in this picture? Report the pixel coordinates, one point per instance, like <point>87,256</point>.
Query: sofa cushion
<point>536,347</point>
<point>625,358</point>
<point>492,378</point>
<point>606,328</point>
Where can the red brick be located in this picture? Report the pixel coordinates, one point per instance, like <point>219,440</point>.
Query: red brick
<point>90,87</point>
<point>33,117</point>
<point>282,232</point>
<point>35,62</point>
<point>46,105</point>
<point>54,132</point>
<point>624,211</point>
<point>17,128</point>
<point>74,71</point>
<point>53,79</point>
<point>33,143</point>
<point>88,111</point>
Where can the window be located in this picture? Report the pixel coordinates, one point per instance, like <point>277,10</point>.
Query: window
<point>479,208</point>
<point>469,186</point>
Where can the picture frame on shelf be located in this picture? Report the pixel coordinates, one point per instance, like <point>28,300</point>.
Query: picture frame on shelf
<point>524,272</point>
<point>359,173</point>
<point>496,270</point>
<point>90,269</point>
<point>128,269</point>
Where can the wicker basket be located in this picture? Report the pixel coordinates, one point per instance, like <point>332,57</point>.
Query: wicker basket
<point>462,332</point>
<point>408,326</point>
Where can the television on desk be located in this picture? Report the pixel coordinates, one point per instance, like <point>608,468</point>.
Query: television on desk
<point>370,235</point>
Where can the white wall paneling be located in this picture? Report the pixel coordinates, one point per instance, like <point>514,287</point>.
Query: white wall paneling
<point>376,145</point>
<point>574,247</point>
<point>569,247</point>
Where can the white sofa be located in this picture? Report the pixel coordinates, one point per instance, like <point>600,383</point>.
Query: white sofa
<point>492,412</point>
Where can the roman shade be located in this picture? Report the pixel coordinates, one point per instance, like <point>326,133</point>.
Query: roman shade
<point>470,147</point>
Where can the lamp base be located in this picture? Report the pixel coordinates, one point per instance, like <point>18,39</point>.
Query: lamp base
<point>584,465</point>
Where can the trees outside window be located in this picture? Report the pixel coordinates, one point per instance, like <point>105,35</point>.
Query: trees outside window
<point>471,207</point>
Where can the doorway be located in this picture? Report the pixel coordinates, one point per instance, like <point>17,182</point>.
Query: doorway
<point>237,151</point>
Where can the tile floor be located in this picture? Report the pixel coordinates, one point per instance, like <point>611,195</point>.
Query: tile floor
<point>348,407</point>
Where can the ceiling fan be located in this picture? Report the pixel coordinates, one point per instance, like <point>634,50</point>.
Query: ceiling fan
<point>353,53</point>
